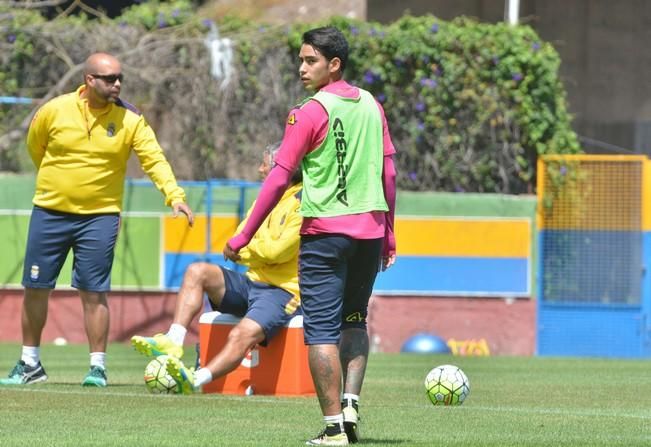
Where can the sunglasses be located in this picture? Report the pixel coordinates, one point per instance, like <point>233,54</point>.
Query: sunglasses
<point>110,79</point>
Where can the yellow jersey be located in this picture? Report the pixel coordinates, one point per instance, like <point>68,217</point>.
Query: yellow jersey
<point>272,254</point>
<point>81,155</point>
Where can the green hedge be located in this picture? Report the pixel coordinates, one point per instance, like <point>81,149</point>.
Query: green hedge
<point>470,105</point>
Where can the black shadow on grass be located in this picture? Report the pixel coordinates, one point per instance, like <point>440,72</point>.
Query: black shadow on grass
<point>68,384</point>
<point>383,441</point>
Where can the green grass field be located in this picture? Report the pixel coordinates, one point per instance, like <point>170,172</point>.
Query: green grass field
<point>513,402</point>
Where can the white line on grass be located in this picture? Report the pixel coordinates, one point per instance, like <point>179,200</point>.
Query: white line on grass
<point>146,395</point>
<point>642,414</point>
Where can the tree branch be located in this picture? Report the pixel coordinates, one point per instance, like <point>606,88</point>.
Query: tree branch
<point>32,4</point>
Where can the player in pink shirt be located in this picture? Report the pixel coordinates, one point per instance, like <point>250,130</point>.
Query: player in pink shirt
<point>340,139</point>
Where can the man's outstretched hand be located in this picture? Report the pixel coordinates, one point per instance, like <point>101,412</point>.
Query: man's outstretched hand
<point>182,207</point>
<point>230,254</point>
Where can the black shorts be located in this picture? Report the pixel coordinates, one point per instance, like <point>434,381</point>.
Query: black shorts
<point>52,234</point>
<point>336,277</point>
<point>263,303</point>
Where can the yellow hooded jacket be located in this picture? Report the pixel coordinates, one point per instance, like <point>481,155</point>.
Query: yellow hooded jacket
<point>81,155</point>
<point>272,254</point>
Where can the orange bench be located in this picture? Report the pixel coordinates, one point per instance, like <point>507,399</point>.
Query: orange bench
<point>280,368</point>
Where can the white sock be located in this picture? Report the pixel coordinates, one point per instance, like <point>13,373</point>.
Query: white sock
<point>98,359</point>
<point>31,355</point>
<point>349,398</point>
<point>177,333</point>
<point>201,377</point>
<point>335,419</point>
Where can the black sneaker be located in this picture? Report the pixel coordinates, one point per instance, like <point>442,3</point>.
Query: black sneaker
<point>23,374</point>
<point>351,420</point>
<point>331,435</point>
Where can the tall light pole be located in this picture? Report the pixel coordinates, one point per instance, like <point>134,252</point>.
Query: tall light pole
<point>512,11</point>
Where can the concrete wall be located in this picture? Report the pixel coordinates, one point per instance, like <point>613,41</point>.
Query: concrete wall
<point>603,47</point>
<point>503,326</point>
<point>506,326</point>
<point>132,313</point>
<point>472,246</point>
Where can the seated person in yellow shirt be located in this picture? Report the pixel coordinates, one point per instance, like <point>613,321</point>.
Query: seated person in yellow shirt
<point>266,296</point>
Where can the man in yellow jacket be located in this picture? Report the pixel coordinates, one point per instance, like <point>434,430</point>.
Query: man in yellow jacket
<point>80,143</point>
<point>266,296</point>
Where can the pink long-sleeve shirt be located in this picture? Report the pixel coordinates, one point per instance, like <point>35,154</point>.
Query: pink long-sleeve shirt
<point>306,128</point>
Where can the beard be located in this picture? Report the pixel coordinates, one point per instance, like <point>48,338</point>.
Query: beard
<point>112,97</point>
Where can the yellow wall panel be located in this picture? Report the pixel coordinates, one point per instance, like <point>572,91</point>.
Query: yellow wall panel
<point>462,237</point>
<point>427,237</point>
<point>179,238</point>
<point>646,196</point>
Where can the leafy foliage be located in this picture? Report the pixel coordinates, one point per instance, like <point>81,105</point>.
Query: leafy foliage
<point>470,105</point>
<point>157,14</point>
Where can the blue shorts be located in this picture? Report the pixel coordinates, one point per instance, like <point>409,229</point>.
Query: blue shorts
<point>258,301</point>
<point>52,234</point>
<point>336,277</point>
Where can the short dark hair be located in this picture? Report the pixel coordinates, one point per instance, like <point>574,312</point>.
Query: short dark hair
<point>330,42</point>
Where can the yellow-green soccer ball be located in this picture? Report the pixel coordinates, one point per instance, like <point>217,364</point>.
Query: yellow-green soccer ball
<point>157,378</point>
<point>447,385</point>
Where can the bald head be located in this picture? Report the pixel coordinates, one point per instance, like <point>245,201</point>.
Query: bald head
<point>102,63</point>
<point>103,79</point>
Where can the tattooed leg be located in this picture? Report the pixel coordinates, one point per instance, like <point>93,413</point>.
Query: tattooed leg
<point>353,349</point>
<point>326,374</point>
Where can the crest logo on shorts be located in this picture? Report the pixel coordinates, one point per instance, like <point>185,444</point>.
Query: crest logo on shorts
<point>34,272</point>
<point>110,130</point>
<point>355,317</point>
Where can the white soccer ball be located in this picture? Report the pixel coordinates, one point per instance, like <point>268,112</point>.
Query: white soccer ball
<point>60,341</point>
<point>447,385</point>
<point>157,378</point>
